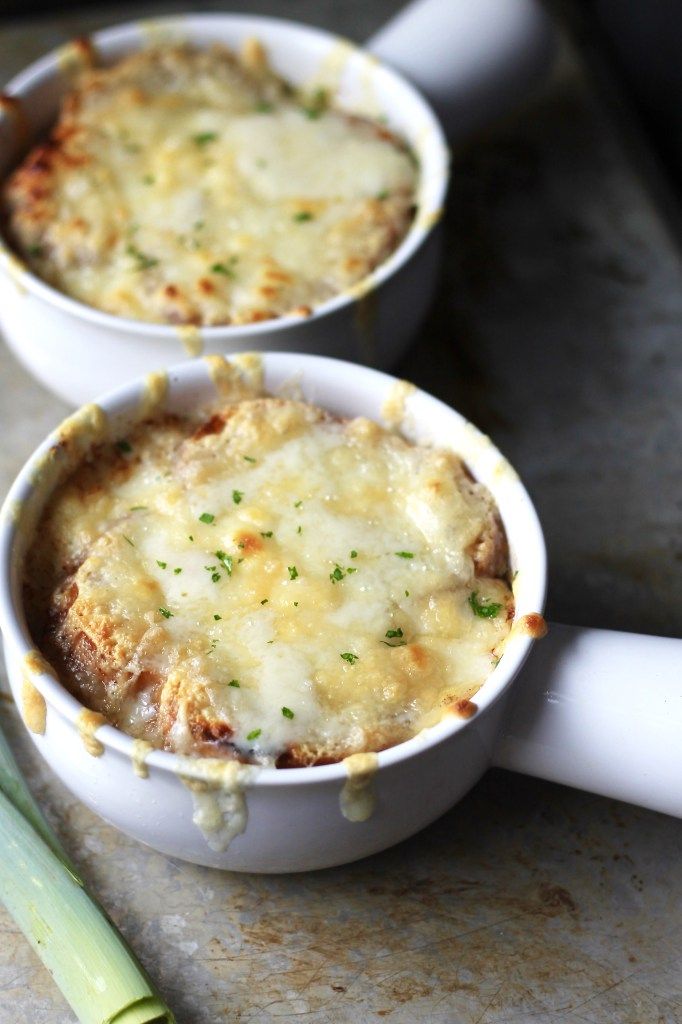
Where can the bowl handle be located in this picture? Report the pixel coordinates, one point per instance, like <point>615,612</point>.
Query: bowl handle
<point>601,711</point>
<point>472,59</point>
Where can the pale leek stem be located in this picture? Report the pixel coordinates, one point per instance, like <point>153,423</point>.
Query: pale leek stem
<point>90,962</point>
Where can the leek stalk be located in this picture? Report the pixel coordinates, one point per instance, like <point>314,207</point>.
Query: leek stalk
<point>87,957</point>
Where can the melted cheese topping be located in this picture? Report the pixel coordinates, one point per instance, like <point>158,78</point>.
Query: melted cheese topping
<point>192,187</point>
<point>270,584</point>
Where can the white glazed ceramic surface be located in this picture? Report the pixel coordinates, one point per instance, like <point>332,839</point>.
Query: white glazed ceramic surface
<point>78,351</point>
<point>294,817</point>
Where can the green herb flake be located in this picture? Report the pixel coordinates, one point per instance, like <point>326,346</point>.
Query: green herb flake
<point>144,262</point>
<point>215,577</point>
<point>391,633</point>
<point>132,543</point>
<point>404,554</point>
<point>295,604</point>
<point>297,504</point>
<point>484,609</point>
<point>316,104</point>
<point>264,601</point>
<point>287,712</point>
<point>383,195</point>
<point>161,565</point>
<point>199,224</point>
<point>293,572</point>
<point>350,569</point>
<point>254,734</point>
<point>299,529</point>
<point>350,658</point>
<point>203,138</point>
<point>138,508</point>
<point>263,107</point>
<point>225,560</point>
<point>191,538</point>
<point>237,496</point>
<point>235,683</point>
<point>248,458</point>
<point>214,644</point>
<point>123,446</point>
<point>149,179</point>
<point>217,617</point>
<point>302,216</point>
<point>205,517</point>
<point>222,268</point>
<point>337,574</point>
<point>177,571</point>
<point>166,612</point>
<point>353,553</point>
<point>407,593</point>
<point>268,533</point>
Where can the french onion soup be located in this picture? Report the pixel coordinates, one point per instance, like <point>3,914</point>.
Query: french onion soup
<point>268,583</point>
<point>194,186</point>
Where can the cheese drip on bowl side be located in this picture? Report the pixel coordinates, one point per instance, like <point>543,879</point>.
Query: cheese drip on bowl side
<point>190,186</point>
<point>270,584</point>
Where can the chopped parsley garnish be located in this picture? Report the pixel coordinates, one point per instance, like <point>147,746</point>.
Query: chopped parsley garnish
<point>384,194</point>
<point>237,496</point>
<point>337,574</point>
<point>293,572</point>
<point>297,504</point>
<point>484,609</point>
<point>138,508</point>
<point>144,262</point>
<point>203,138</point>
<point>177,571</point>
<point>199,224</point>
<point>295,604</point>
<point>287,712</point>
<point>351,569</point>
<point>132,544</point>
<point>124,447</point>
<point>235,683</point>
<point>222,268</point>
<point>225,561</point>
<point>205,517</point>
<point>166,612</point>
<point>264,601</point>
<point>263,107</point>
<point>353,553</point>
<point>268,533</point>
<point>161,565</point>
<point>394,634</point>
<point>316,104</point>
<point>149,179</point>
<point>248,458</point>
<point>299,530</point>
<point>407,593</point>
<point>215,577</point>
<point>405,554</point>
<point>214,644</point>
<point>254,734</point>
<point>302,216</point>
<point>350,658</point>
<point>217,617</point>
<point>191,538</point>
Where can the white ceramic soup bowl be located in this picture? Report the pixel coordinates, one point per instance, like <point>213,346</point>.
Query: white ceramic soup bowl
<point>474,61</point>
<point>295,821</point>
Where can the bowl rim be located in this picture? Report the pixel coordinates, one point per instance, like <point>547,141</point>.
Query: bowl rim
<point>425,220</point>
<point>126,398</point>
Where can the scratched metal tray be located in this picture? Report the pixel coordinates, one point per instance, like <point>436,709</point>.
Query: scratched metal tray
<point>556,329</point>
